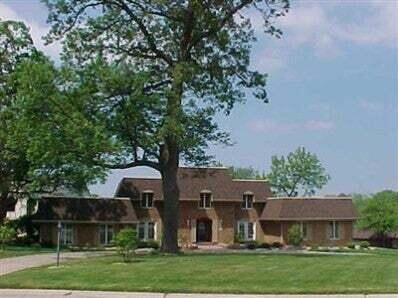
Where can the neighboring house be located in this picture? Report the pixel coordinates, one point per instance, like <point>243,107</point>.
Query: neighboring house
<point>214,208</point>
<point>388,240</point>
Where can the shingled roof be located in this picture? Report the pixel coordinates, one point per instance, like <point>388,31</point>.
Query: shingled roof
<point>192,181</point>
<point>85,209</point>
<point>292,209</point>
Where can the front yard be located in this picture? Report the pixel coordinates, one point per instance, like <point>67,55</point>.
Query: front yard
<point>221,273</point>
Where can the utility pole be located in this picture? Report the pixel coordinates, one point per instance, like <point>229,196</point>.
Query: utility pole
<point>59,228</point>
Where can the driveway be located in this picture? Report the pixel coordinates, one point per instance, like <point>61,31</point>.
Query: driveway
<point>90,294</point>
<point>13,264</point>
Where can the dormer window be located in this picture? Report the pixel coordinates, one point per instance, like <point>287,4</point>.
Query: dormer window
<point>205,200</point>
<point>247,202</point>
<point>147,199</point>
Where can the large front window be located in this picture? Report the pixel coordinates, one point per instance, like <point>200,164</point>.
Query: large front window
<point>334,230</point>
<point>106,234</point>
<point>246,230</point>
<point>67,234</point>
<point>147,200</point>
<point>146,231</point>
<point>205,200</point>
<point>247,201</point>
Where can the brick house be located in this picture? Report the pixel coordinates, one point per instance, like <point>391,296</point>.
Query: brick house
<point>214,208</point>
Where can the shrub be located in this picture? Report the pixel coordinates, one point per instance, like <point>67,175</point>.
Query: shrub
<point>294,235</point>
<point>264,245</point>
<point>351,245</point>
<point>36,246</point>
<point>251,245</point>
<point>276,244</point>
<point>148,244</point>
<point>364,244</point>
<point>7,234</point>
<point>126,242</point>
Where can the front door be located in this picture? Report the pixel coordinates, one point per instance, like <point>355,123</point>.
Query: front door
<point>203,230</point>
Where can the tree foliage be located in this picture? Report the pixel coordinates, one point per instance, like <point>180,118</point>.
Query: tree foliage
<point>126,242</point>
<point>41,147</point>
<point>380,213</point>
<point>245,173</point>
<point>300,172</point>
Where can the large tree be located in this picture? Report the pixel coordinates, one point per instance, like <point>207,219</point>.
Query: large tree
<point>166,68</point>
<point>33,138</point>
<point>15,44</point>
<point>299,173</point>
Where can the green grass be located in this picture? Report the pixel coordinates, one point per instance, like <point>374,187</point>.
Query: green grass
<point>221,273</point>
<point>16,251</point>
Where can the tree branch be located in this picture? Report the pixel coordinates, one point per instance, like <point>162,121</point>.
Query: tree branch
<point>133,164</point>
<point>144,31</point>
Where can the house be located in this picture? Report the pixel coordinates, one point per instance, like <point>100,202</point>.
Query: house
<point>214,208</point>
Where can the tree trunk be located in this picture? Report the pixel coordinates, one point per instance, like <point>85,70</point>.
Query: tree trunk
<point>171,196</point>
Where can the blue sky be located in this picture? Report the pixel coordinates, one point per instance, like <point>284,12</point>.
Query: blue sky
<point>333,88</point>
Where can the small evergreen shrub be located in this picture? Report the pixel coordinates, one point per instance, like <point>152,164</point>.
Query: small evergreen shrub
<point>294,235</point>
<point>276,244</point>
<point>264,245</point>
<point>148,244</point>
<point>251,245</point>
<point>364,244</point>
<point>351,245</point>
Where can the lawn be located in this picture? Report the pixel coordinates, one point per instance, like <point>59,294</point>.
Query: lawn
<point>226,273</point>
<point>15,251</point>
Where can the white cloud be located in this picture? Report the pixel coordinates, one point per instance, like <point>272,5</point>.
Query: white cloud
<point>271,126</point>
<point>323,26</point>
<point>37,31</point>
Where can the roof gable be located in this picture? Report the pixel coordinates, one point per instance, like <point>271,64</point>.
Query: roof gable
<point>192,181</point>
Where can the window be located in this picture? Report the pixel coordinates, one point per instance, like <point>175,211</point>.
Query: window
<point>246,230</point>
<point>146,231</point>
<point>106,234</point>
<point>67,234</point>
<point>247,201</point>
<point>304,230</point>
<point>147,200</point>
<point>334,230</point>
<point>205,200</point>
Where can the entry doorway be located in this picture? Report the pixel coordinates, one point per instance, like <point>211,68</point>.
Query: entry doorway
<point>204,230</point>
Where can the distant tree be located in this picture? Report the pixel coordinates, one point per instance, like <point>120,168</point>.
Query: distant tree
<point>294,235</point>
<point>126,242</point>
<point>245,173</point>
<point>156,73</point>
<point>380,213</point>
<point>300,173</point>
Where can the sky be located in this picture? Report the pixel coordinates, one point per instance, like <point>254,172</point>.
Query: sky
<point>333,88</point>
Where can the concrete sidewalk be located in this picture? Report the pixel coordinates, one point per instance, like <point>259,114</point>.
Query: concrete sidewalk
<point>5,293</point>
